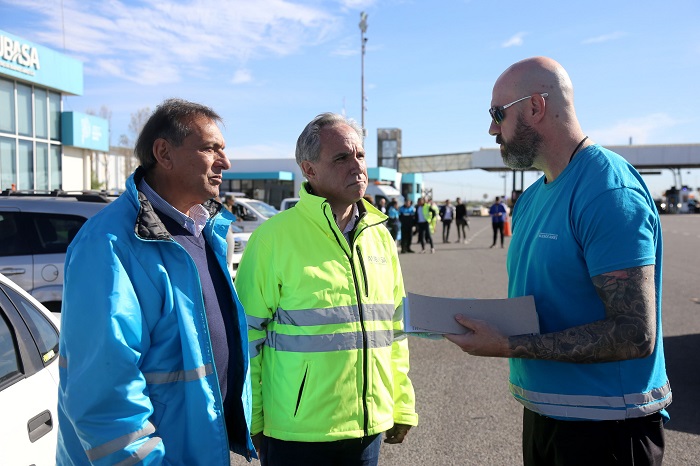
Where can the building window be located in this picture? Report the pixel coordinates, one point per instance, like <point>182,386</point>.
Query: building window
<point>42,166</point>
<point>55,116</point>
<point>24,110</point>
<point>7,106</point>
<point>26,165</point>
<point>41,116</point>
<point>55,164</point>
<point>8,163</point>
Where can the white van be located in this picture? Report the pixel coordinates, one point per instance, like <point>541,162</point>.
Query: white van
<point>288,202</point>
<point>388,192</point>
<point>250,213</point>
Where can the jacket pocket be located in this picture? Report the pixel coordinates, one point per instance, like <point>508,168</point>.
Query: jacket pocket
<point>303,384</point>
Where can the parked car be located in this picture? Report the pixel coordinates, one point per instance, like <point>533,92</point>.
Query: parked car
<point>236,240</point>
<point>288,202</point>
<point>28,378</point>
<point>385,191</point>
<point>35,231</point>
<point>251,213</point>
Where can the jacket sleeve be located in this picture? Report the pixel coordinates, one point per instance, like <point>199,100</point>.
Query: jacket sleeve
<point>258,291</point>
<point>103,393</point>
<point>404,395</point>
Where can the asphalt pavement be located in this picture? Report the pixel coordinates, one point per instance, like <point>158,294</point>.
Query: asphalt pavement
<point>468,417</point>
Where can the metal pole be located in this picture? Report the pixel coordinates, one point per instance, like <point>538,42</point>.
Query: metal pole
<point>363,40</point>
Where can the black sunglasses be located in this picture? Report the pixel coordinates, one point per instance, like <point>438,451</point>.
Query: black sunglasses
<point>497,112</point>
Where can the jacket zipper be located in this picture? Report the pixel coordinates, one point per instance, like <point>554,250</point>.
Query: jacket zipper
<point>358,293</point>
<point>364,270</point>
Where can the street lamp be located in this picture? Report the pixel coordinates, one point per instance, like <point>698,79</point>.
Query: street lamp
<point>363,40</point>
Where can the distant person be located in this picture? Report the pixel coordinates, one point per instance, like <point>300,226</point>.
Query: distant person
<point>447,214</point>
<point>498,217</point>
<point>407,216</point>
<point>587,245</point>
<point>394,223</point>
<point>230,205</point>
<point>323,290</point>
<point>154,347</point>
<point>461,220</point>
<point>426,218</point>
<point>381,205</point>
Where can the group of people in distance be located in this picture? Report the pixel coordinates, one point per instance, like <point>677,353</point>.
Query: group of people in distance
<point>304,361</point>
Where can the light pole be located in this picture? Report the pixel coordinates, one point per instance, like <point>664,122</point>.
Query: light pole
<point>363,40</point>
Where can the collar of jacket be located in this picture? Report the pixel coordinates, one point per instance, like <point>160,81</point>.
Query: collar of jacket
<point>314,205</point>
<point>148,225</point>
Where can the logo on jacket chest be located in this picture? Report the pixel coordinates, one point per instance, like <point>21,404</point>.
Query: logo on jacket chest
<point>381,260</point>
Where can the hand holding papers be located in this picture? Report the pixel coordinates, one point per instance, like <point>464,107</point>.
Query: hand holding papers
<point>431,317</point>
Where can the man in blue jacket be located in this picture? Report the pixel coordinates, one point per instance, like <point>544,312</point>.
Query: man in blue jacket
<point>154,360</point>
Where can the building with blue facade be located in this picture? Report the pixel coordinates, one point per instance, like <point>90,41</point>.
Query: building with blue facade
<point>42,147</point>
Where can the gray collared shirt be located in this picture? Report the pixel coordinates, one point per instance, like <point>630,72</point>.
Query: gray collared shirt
<point>194,224</point>
<point>351,224</point>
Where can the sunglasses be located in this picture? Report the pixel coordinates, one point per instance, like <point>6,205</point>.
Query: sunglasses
<point>497,112</point>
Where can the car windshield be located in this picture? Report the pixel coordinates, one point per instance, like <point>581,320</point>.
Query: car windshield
<point>266,209</point>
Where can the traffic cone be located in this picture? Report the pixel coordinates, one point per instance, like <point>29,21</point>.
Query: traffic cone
<point>506,228</point>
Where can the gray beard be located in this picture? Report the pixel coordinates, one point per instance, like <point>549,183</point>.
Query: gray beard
<point>521,151</point>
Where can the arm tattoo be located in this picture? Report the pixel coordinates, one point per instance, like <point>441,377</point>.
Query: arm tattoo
<point>627,332</point>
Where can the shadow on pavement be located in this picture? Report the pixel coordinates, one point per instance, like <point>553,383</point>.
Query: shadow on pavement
<point>683,369</point>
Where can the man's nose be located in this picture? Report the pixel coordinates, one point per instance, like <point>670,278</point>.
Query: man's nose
<point>224,160</point>
<point>494,129</point>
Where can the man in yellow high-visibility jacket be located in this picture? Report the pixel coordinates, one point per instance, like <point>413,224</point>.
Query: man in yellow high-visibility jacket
<point>322,288</point>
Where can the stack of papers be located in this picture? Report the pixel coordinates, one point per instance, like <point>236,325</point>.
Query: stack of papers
<point>429,316</point>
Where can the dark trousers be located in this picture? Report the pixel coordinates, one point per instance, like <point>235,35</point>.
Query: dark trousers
<point>393,225</point>
<point>461,225</point>
<point>406,235</point>
<point>551,442</point>
<point>446,230</point>
<point>497,227</point>
<point>424,235</point>
<point>352,452</point>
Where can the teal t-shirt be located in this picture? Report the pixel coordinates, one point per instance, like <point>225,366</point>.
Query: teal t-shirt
<point>597,216</point>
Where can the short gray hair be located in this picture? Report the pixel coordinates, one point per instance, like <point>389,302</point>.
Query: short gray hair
<point>309,142</point>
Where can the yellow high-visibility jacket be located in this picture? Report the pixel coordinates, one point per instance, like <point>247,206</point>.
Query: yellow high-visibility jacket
<point>329,359</point>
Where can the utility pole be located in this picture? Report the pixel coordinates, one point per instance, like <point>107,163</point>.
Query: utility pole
<point>363,40</point>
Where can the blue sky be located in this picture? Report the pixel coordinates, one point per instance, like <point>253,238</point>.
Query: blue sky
<point>269,66</point>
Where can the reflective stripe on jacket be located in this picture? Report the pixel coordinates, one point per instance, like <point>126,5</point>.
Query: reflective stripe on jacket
<point>137,374</point>
<point>329,360</point>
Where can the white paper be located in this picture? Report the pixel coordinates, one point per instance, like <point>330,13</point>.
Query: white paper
<point>429,315</point>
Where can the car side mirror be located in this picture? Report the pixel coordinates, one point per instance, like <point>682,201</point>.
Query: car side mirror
<point>250,217</point>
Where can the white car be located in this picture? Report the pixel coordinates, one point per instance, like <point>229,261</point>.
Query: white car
<point>28,378</point>
<point>35,231</point>
<point>251,213</point>
<point>288,203</point>
<point>236,241</point>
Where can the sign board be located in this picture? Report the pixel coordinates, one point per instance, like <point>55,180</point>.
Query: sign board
<point>84,131</point>
<point>25,61</point>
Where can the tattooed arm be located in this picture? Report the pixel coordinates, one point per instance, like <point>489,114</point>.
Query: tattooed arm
<point>627,332</point>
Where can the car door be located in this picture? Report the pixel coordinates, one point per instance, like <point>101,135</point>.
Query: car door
<point>50,236</point>
<point>28,381</point>
<point>16,261</point>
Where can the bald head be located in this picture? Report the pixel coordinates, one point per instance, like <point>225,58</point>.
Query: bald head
<point>534,129</point>
<point>537,75</point>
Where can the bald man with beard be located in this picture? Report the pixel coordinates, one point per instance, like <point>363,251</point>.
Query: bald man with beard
<point>587,245</point>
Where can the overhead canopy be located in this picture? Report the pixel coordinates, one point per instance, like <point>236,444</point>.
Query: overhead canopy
<point>641,157</point>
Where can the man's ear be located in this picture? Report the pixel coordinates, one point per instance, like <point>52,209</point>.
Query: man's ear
<point>308,170</point>
<point>162,154</point>
<point>538,107</point>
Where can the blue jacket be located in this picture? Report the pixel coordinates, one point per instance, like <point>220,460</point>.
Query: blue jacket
<point>137,374</point>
